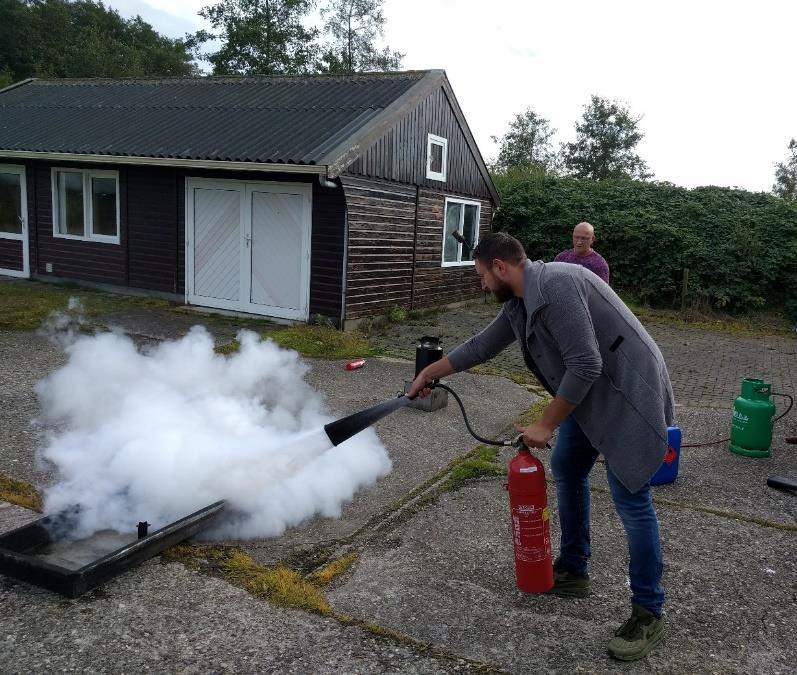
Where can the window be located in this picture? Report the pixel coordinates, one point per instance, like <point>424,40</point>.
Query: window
<point>436,160</point>
<point>460,231</point>
<point>11,186</point>
<point>86,205</point>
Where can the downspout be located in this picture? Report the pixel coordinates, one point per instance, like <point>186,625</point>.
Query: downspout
<point>345,277</point>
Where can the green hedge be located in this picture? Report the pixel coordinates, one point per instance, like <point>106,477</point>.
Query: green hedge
<point>740,247</point>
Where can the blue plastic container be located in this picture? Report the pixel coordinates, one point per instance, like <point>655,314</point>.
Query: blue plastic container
<point>668,471</point>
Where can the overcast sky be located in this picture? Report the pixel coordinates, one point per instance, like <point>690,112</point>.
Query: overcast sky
<point>714,81</point>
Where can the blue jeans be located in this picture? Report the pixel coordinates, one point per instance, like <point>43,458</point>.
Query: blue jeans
<point>571,462</point>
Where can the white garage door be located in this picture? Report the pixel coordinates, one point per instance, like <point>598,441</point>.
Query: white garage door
<point>248,246</point>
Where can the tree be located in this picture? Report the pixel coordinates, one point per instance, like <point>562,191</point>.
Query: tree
<point>527,143</point>
<point>83,38</point>
<point>786,175</point>
<point>605,142</point>
<point>259,37</point>
<point>354,26</point>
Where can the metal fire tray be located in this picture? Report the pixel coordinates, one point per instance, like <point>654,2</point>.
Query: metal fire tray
<point>72,567</point>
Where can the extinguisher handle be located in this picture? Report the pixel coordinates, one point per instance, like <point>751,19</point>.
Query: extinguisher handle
<point>517,442</point>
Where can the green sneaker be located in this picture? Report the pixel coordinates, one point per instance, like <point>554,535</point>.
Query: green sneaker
<point>568,585</point>
<point>637,636</point>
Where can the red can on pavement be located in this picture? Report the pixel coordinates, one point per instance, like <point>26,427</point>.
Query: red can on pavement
<point>354,365</point>
<point>531,531</point>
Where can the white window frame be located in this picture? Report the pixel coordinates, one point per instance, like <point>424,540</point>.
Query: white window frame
<point>470,202</point>
<point>431,139</point>
<point>88,215</point>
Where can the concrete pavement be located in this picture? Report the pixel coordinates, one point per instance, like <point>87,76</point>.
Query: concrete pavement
<point>438,581</point>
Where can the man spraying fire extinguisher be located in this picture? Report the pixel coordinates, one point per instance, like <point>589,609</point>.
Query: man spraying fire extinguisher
<point>611,395</point>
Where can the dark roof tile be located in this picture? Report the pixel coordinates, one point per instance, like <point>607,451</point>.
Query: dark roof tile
<point>294,120</point>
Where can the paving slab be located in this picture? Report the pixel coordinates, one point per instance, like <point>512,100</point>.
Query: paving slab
<point>447,577</point>
<point>445,574</point>
<point>163,617</point>
<point>25,358</point>
<point>12,517</point>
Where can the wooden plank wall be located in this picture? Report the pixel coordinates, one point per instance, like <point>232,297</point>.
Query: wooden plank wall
<point>435,284</point>
<point>382,234</point>
<point>400,155</point>
<point>381,227</point>
<point>327,252</point>
<point>151,255</point>
<point>155,240</point>
<point>76,259</point>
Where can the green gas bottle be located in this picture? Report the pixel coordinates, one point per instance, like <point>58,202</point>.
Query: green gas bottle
<point>751,430</point>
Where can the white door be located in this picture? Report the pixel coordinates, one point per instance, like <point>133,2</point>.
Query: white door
<point>248,246</point>
<point>13,222</point>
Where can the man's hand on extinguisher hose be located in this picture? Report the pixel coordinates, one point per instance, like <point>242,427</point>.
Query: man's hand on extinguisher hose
<point>538,434</point>
<point>434,371</point>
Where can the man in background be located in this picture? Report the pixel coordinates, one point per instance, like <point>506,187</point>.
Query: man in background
<point>582,252</point>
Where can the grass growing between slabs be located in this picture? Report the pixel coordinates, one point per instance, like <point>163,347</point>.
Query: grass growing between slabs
<point>19,493</point>
<point>279,584</point>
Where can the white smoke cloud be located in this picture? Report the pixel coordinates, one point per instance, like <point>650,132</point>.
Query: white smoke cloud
<point>156,436</point>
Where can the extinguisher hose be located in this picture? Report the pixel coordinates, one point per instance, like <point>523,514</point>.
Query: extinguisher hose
<point>481,439</point>
<point>517,441</point>
<point>725,440</point>
<point>513,441</point>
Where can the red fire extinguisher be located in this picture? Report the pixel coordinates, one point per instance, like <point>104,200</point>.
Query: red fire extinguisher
<point>531,531</point>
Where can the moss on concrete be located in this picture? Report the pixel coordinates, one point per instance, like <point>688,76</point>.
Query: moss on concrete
<point>280,585</point>
<point>19,493</point>
<point>333,569</point>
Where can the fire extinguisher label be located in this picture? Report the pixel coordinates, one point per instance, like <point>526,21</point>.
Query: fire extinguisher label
<point>531,534</point>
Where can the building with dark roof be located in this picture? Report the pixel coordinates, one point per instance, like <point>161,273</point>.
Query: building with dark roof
<point>280,196</point>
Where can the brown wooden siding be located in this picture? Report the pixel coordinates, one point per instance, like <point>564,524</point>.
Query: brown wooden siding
<point>155,239</point>
<point>326,256</point>
<point>152,253</point>
<point>400,155</point>
<point>84,260</point>
<point>11,254</point>
<point>381,224</point>
<point>435,284</point>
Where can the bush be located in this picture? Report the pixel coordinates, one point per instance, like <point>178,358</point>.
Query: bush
<point>740,247</point>
<point>397,314</point>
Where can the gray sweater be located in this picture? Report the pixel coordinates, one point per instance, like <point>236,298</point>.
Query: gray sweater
<point>592,351</point>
